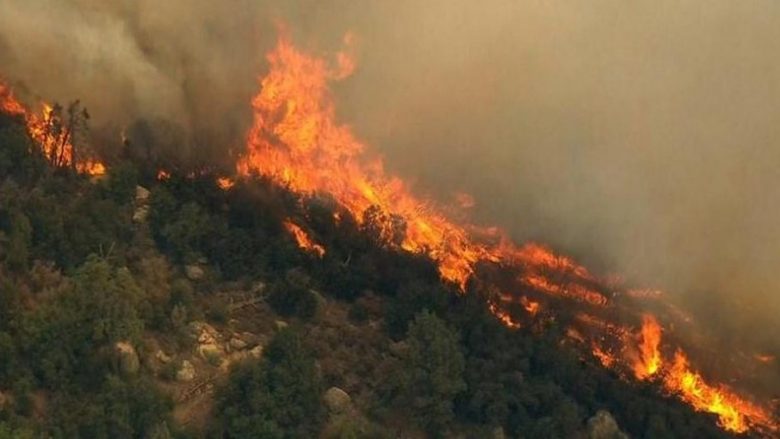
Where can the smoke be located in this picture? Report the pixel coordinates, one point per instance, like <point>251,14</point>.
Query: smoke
<point>187,65</point>
<point>640,136</point>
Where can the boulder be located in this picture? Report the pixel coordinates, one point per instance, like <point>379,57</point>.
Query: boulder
<point>281,324</point>
<point>337,400</point>
<point>140,214</point>
<point>210,351</point>
<point>194,272</point>
<point>127,358</point>
<point>256,352</point>
<point>258,288</point>
<point>604,426</point>
<point>237,344</point>
<point>142,195</point>
<point>162,357</point>
<point>186,372</point>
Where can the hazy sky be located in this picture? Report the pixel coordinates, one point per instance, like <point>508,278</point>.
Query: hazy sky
<point>642,136</point>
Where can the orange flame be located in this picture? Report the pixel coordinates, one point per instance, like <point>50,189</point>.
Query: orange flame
<point>735,413</point>
<point>296,141</point>
<point>225,183</point>
<point>504,317</point>
<point>649,361</point>
<point>529,305</point>
<point>303,239</point>
<point>55,145</point>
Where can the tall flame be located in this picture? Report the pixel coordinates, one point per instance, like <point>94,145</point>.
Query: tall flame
<point>649,342</point>
<point>296,141</point>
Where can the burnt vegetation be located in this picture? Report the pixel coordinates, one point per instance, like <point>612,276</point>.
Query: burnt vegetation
<point>79,277</point>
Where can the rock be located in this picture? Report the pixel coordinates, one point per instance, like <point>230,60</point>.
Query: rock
<point>258,288</point>
<point>194,272</point>
<point>186,372</point>
<point>256,351</point>
<point>237,344</point>
<point>162,357</point>
<point>337,400</point>
<point>398,348</point>
<point>141,195</point>
<point>252,339</point>
<point>281,324</point>
<point>140,214</point>
<point>210,351</point>
<point>604,426</point>
<point>127,358</point>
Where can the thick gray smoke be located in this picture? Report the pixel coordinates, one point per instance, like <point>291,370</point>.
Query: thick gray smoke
<point>641,136</point>
<point>189,66</point>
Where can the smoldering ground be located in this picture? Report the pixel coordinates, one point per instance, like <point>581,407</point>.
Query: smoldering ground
<point>640,136</point>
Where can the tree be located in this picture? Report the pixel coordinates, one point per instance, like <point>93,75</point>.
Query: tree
<point>431,373</point>
<point>280,397</point>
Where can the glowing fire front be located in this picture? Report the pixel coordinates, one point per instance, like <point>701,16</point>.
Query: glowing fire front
<point>54,140</point>
<point>296,141</point>
<point>303,239</point>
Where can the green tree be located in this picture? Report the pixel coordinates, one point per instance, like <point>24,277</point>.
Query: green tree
<point>279,397</point>
<point>431,373</point>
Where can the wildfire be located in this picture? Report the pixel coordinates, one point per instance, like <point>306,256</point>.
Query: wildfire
<point>49,133</point>
<point>504,317</point>
<point>303,239</point>
<point>225,183</point>
<point>529,305</point>
<point>163,175</point>
<point>649,341</point>
<point>735,413</point>
<point>296,141</point>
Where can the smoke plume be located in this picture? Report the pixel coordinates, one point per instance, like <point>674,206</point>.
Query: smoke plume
<point>642,137</point>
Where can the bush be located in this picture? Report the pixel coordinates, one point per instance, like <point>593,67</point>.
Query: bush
<point>293,300</point>
<point>278,397</point>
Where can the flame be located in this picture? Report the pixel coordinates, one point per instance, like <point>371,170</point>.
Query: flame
<point>296,141</point>
<point>734,413</point>
<point>303,239</point>
<point>225,183</point>
<point>503,317</point>
<point>8,104</point>
<point>529,305</point>
<point>605,358</point>
<point>56,145</point>
<point>649,361</point>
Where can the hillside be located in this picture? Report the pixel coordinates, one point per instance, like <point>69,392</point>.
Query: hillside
<point>158,304</point>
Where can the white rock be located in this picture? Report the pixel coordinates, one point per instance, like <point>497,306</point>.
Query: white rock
<point>162,357</point>
<point>186,373</point>
<point>141,194</point>
<point>237,344</point>
<point>256,351</point>
<point>337,400</point>
<point>194,272</point>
